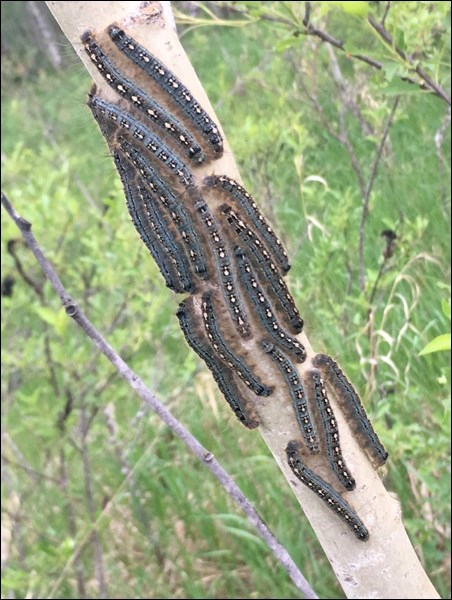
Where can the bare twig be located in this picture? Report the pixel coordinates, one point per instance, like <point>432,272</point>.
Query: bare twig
<point>370,326</point>
<point>273,19</point>
<point>70,512</point>
<point>45,37</point>
<point>35,286</point>
<point>348,94</point>
<point>125,303</point>
<point>36,475</point>
<point>140,388</point>
<point>127,471</point>
<point>63,481</point>
<point>12,530</point>
<point>376,282</point>
<point>368,191</point>
<point>98,559</point>
<point>390,237</point>
<point>385,14</point>
<point>341,136</point>
<point>307,13</point>
<point>326,37</point>
<point>51,365</point>
<point>345,141</point>
<point>112,426</point>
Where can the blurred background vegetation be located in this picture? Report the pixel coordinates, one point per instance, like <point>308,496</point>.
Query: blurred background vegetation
<point>97,496</point>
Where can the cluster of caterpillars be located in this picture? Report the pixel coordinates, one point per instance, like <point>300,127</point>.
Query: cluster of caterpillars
<point>211,242</point>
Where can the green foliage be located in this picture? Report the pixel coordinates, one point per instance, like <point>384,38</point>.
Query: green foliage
<point>166,529</point>
<point>441,342</point>
<point>360,9</point>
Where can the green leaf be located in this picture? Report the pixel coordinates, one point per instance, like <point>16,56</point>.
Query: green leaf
<point>47,314</point>
<point>245,535</point>
<point>57,318</point>
<point>399,39</point>
<point>439,344</point>
<point>359,9</point>
<point>14,579</point>
<point>398,86</point>
<point>287,42</point>
<point>392,69</point>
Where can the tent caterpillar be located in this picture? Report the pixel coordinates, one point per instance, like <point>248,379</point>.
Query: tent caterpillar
<point>297,395</point>
<point>324,491</point>
<point>270,272</point>
<point>349,401</point>
<point>171,85</point>
<point>264,309</point>
<point>223,375</point>
<point>153,232</point>
<point>232,360</point>
<point>317,393</point>
<point>173,206</point>
<point>158,115</point>
<point>110,117</point>
<point>245,201</point>
<point>224,268</point>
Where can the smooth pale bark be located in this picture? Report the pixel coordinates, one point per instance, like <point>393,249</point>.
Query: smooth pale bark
<point>384,567</point>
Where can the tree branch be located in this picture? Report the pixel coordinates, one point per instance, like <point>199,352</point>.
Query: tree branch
<point>90,504</point>
<point>35,286</point>
<point>341,136</point>
<point>45,34</point>
<point>136,383</point>
<point>432,85</point>
<point>348,94</point>
<point>36,475</point>
<point>368,191</point>
<point>427,82</point>
<point>385,14</point>
<point>72,522</point>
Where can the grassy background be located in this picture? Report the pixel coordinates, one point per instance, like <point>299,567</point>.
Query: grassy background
<point>79,448</point>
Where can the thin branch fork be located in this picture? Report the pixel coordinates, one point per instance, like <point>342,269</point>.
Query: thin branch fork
<point>368,191</point>
<point>426,83</point>
<point>386,36</point>
<point>137,384</point>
